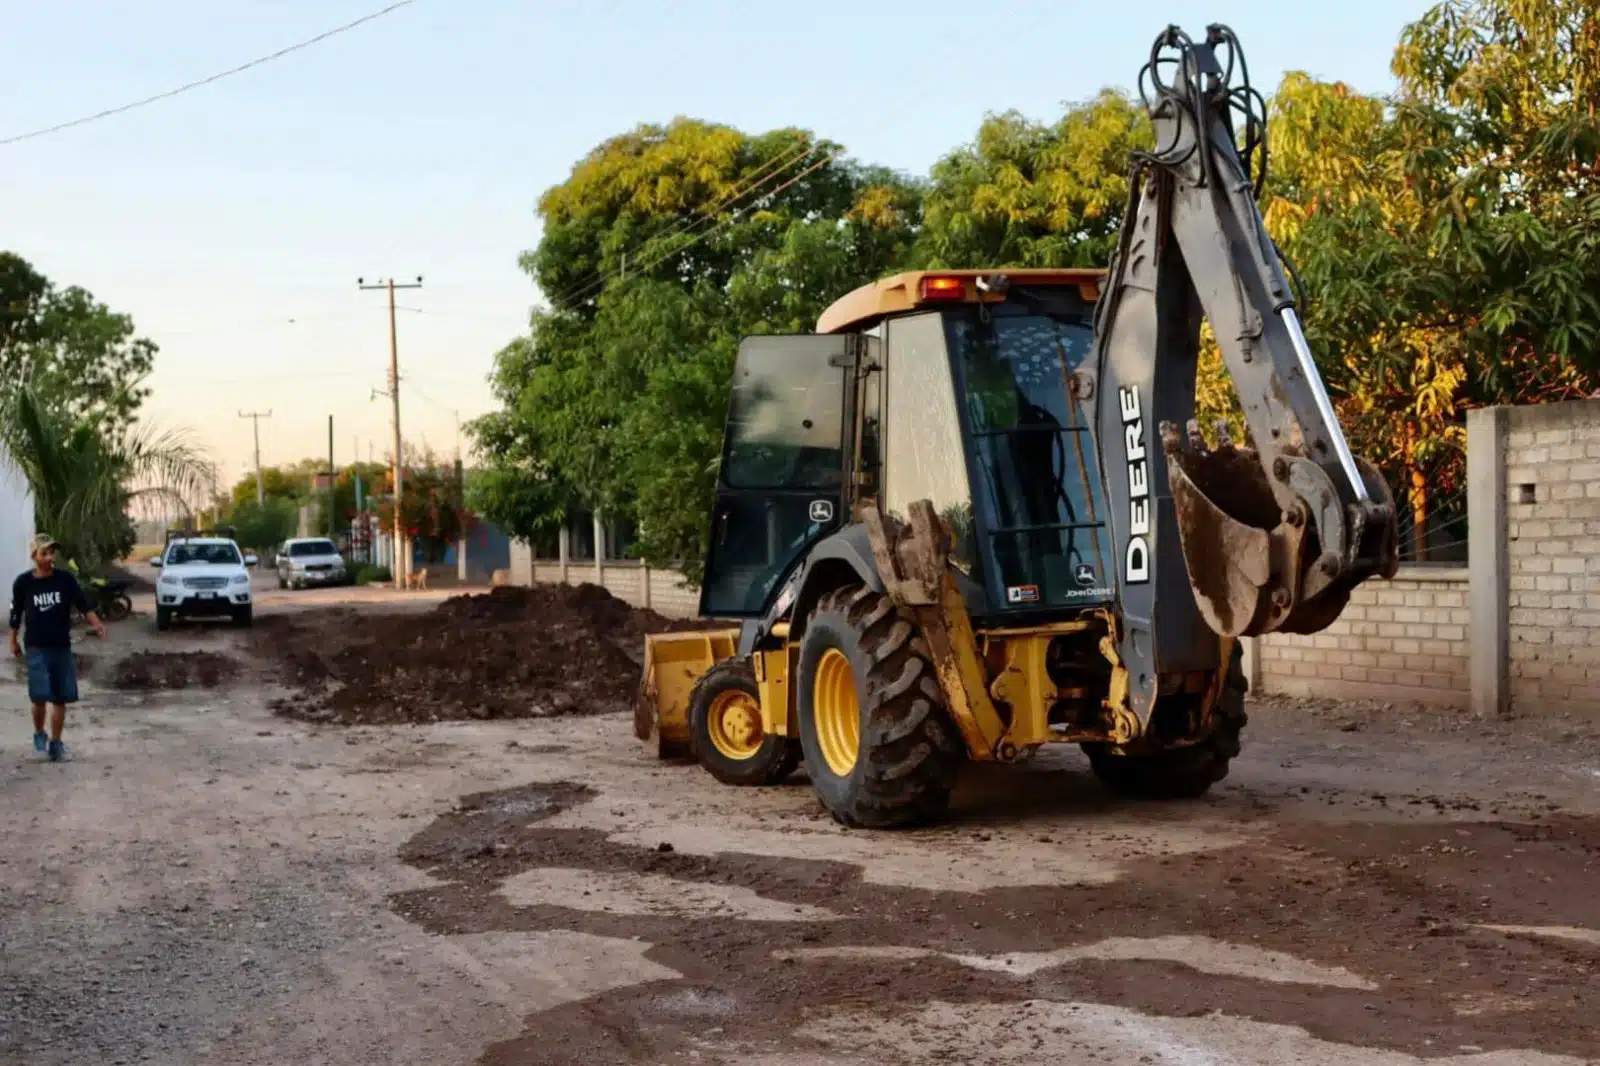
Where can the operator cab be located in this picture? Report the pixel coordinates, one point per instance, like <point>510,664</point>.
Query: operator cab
<point>952,386</point>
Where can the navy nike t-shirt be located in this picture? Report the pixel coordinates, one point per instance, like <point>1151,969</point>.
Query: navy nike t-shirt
<point>42,608</point>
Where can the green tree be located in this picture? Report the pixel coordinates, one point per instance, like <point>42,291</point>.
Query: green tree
<point>83,477</point>
<point>1450,235</point>
<point>76,352</point>
<point>277,483</point>
<point>433,508</point>
<point>615,400</point>
<point>1033,194</point>
<point>263,526</point>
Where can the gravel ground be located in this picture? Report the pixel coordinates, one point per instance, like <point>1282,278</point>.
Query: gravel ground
<point>210,882</point>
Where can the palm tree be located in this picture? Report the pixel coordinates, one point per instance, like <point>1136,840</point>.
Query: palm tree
<point>85,471</point>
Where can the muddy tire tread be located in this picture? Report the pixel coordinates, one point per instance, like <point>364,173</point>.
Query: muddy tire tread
<point>909,753</point>
<point>779,756</point>
<point>1183,773</point>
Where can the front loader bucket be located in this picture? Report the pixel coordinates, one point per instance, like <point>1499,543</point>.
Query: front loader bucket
<point>1255,568</point>
<point>673,662</point>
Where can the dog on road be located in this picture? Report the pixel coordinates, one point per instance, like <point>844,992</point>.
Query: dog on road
<point>417,579</point>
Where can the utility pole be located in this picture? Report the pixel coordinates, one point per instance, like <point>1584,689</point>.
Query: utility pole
<point>255,418</point>
<point>461,507</point>
<point>402,560</point>
<point>331,493</point>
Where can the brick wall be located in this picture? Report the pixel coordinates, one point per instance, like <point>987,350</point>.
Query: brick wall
<point>1552,486</point>
<point>1404,639</point>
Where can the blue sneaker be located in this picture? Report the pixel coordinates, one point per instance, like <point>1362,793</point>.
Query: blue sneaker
<point>58,751</point>
<point>40,742</point>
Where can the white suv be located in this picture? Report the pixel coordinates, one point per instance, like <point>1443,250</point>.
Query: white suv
<point>306,561</point>
<point>203,577</point>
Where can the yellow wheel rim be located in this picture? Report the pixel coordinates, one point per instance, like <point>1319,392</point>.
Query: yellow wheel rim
<point>734,722</point>
<point>837,712</point>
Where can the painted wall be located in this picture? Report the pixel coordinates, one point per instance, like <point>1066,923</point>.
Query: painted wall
<point>16,521</point>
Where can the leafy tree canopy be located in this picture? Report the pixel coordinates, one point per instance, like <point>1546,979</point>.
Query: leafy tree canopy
<point>1032,194</point>
<point>262,527</point>
<point>79,355</point>
<point>615,399</point>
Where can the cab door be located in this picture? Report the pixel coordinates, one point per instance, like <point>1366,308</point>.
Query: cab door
<point>781,483</point>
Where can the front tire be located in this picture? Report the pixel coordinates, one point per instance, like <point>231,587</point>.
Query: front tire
<point>1182,773</point>
<point>243,617</point>
<point>879,745</point>
<point>725,729</point>
<point>163,619</point>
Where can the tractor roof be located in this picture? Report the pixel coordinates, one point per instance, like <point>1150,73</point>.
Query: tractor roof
<point>916,289</point>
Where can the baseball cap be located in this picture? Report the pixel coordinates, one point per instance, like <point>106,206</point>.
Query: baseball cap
<point>41,541</point>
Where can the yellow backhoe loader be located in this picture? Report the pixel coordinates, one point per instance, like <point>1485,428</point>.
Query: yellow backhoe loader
<point>949,523</point>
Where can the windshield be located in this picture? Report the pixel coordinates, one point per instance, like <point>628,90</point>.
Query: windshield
<point>180,554</point>
<point>313,547</point>
<point>1035,480</point>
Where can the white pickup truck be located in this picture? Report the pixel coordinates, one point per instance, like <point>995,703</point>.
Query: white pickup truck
<point>203,577</point>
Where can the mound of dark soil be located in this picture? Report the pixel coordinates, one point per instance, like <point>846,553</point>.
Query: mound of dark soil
<point>509,653</point>
<point>144,671</point>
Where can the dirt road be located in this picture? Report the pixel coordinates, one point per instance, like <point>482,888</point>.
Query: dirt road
<point>210,882</point>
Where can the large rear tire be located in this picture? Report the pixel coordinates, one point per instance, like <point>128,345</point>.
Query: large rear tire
<point>879,746</point>
<point>725,733</point>
<point>1182,773</point>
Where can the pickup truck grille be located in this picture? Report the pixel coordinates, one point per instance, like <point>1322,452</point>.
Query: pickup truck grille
<point>205,582</point>
<point>320,566</point>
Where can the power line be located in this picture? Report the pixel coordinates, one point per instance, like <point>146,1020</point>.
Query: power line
<point>582,287</point>
<point>722,224</point>
<point>58,127</point>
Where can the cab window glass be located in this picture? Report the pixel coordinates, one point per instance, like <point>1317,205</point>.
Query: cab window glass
<point>785,418</point>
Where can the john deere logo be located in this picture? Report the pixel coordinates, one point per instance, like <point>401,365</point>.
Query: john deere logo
<point>822,510</point>
<point>1084,575</point>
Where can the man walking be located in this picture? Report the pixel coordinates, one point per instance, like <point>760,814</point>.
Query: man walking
<point>44,597</point>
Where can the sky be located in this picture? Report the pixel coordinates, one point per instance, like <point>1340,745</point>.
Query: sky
<point>232,222</point>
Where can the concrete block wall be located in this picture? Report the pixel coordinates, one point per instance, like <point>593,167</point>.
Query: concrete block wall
<point>1551,456</point>
<point>662,591</point>
<point>1405,639</point>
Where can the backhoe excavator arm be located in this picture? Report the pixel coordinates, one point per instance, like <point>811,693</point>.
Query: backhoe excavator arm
<point>1273,536</point>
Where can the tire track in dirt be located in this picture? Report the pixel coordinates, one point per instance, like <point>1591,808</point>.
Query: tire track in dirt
<point>1396,904</point>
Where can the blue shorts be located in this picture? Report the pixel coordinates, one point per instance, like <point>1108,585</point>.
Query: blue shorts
<point>52,675</point>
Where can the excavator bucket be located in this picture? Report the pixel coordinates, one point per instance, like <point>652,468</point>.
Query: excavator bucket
<point>1255,568</point>
<point>673,662</point>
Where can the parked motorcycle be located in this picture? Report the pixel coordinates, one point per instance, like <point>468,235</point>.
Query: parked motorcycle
<point>110,597</point>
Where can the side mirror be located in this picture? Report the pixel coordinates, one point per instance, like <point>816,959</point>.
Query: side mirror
<point>155,560</point>
<point>251,560</point>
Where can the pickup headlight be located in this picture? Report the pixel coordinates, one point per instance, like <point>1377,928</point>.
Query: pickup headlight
<point>170,580</point>
<point>241,579</point>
